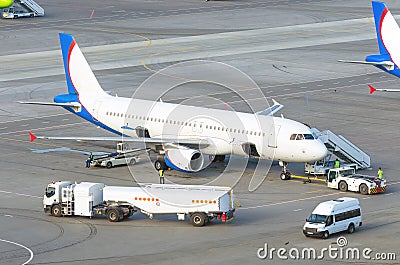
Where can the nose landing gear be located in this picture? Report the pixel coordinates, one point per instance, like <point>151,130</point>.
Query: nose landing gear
<point>285,175</point>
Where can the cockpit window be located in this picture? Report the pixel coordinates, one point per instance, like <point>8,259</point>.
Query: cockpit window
<point>308,137</point>
<point>302,137</point>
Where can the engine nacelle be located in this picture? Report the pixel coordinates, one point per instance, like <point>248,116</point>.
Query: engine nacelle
<point>186,159</point>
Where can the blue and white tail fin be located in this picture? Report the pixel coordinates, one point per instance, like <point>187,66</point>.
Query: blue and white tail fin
<point>388,37</point>
<point>79,76</point>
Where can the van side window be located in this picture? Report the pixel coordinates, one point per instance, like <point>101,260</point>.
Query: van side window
<point>339,217</point>
<point>329,220</point>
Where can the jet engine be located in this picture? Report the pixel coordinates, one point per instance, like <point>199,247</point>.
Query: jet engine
<point>185,159</point>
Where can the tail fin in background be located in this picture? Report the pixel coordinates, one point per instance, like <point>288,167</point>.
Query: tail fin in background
<point>79,76</point>
<point>388,36</point>
<point>380,11</point>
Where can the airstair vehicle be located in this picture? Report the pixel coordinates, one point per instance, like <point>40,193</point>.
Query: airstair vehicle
<point>343,149</point>
<point>23,8</point>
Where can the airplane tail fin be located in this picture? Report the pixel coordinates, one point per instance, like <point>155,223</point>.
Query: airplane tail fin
<point>79,76</point>
<point>388,33</point>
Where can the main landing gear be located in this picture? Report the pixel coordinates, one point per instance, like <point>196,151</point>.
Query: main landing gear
<point>285,175</point>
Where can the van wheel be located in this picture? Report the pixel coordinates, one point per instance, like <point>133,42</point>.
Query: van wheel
<point>198,219</point>
<point>351,229</point>
<point>113,215</point>
<point>343,186</point>
<point>363,189</point>
<point>109,165</point>
<point>56,211</point>
<point>325,235</point>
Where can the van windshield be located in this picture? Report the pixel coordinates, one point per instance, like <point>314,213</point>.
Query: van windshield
<point>317,218</point>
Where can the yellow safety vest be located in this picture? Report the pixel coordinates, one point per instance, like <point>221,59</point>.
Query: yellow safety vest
<point>161,172</point>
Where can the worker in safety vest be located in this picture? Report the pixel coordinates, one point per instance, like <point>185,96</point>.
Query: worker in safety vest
<point>337,164</point>
<point>161,173</point>
<point>380,173</point>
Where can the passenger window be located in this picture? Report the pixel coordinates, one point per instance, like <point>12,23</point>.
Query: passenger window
<point>329,220</point>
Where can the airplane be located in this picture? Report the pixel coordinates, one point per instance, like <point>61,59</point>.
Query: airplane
<point>5,3</point>
<point>187,138</point>
<point>388,36</point>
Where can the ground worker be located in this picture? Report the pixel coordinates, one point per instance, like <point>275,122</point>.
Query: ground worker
<point>89,160</point>
<point>380,173</point>
<point>337,164</point>
<point>161,173</point>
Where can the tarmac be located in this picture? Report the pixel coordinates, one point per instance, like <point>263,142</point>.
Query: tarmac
<point>289,48</point>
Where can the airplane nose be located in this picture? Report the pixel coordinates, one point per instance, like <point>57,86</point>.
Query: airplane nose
<point>322,151</point>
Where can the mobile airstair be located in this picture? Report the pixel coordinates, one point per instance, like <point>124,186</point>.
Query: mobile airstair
<point>343,148</point>
<point>23,8</point>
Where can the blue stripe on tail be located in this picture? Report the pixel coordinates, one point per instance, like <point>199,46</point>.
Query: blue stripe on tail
<point>379,9</point>
<point>67,42</point>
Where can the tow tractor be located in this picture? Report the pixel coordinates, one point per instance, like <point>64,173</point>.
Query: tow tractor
<point>345,179</point>
<point>201,203</point>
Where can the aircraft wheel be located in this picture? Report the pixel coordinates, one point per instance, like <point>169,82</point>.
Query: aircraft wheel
<point>160,165</point>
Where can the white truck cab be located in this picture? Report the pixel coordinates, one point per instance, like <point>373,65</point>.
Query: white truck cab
<point>343,214</point>
<point>345,179</point>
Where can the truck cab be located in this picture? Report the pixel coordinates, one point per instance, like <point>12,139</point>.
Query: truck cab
<point>335,174</point>
<point>52,194</point>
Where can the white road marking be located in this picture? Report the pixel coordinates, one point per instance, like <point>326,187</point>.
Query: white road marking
<point>3,128</point>
<point>20,194</point>
<point>17,244</point>
<point>297,210</point>
<point>24,125</point>
<point>7,215</point>
<point>45,122</point>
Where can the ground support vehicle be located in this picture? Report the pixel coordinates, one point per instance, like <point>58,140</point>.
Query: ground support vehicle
<point>343,214</point>
<point>200,203</point>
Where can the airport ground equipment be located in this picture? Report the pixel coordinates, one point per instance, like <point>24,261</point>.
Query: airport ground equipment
<point>322,167</point>
<point>343,214</point>
<point>121,157</point>
<point>345,179</point>
<point>23,8</point>
<point>201,203</point>
<point>343,149</point>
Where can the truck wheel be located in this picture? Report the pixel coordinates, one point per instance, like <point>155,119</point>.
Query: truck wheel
<point>363,189</point>
<point>325,235</point>
<point>109,165</point>
<point>56,210</point>
<point>198,219</point>
<point>351,229</point>
<point>343,186</point>
<point>113,215</point>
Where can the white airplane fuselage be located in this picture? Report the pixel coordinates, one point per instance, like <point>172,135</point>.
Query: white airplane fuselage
<point>228,130</point>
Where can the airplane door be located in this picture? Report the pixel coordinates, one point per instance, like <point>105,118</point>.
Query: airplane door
<point>273,136</point>
<point>96,108</point>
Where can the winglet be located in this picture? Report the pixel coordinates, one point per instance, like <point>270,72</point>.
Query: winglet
<point>371,89</point>
<point>32,136</point>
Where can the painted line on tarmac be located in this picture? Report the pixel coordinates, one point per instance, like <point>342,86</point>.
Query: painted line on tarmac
<point>20,194</point>
<point>286,202</point>
<point>17,244</point>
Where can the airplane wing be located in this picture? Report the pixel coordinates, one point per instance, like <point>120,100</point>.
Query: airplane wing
<point>373,89</point>
<point>198,142</point>
<point>387,64</point>
<point>74,105</point>
<point>271,110</point>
